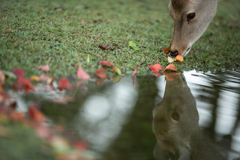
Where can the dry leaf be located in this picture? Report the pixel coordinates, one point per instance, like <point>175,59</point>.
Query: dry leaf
<point>179,58</point>
<point>101,73</point>
<point>170,59</point>
<point>155,68</point>
<point>171,67</point>
<point>82,74</point>
<point>105,63</point>
<point>44,68</point>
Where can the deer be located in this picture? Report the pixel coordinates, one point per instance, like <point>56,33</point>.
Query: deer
<point>176,128</point>
<point>191,19</point>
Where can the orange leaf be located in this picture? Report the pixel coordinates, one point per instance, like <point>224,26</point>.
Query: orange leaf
<point>155,68</point>
<point>179,58</point>
<point>104,47</point>
<point>101,73</point>
<point>165,50</point>
<point>171,75</point>
<point>171,67</point>
<point>135,71</point>
<point>35,114</point>
<point>105,63</point>
<point>82,74</point>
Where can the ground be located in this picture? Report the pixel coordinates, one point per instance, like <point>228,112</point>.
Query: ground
<point>62,33</point>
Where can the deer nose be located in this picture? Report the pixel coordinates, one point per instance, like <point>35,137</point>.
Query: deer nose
<point>174,54</point>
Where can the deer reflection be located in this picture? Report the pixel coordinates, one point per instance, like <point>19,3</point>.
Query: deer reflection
<point>175,125</point>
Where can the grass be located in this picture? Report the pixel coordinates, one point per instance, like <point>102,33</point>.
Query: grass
<point>62,33</point>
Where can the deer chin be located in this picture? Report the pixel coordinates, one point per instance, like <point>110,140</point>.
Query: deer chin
<point>187,51</point>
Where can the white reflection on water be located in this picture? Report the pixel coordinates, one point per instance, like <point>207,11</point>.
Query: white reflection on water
<point>102,116</point>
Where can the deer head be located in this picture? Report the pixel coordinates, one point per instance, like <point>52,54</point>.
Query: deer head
<point>175,125</point>
<point>191,19</point>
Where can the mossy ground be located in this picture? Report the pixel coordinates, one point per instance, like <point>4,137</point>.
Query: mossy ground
<point>60,33</point>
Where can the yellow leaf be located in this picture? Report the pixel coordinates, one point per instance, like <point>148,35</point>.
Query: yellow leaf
<point>35,78</point>
<point>118,71</point>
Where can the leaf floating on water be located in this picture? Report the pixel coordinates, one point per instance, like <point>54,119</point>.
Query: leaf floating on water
<point>179,58</point>
<point>157,74</point>
<point>35,114</point>
<point>44,68</point>
<point>82,74</point>
<point>64,84</point>
<point>134,79</point>
<point>116,78</point>
<point>170,76</point>
<point>135,71</point>
<point>104,47</point>
<point>101,73</point>
<point>171,67</point>
<point>105,63</point>
<point>155,68</point>
<point>133,45</point>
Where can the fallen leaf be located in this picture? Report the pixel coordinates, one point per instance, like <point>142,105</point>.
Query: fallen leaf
<point>171,67</point>
<point>16,116</point>
<point>179,58</point>
<point>44,78</point>
<point>170,59</point>
<point>101,73</point>
<point>35,78</point>
<point>155,68</point>
<point>133,45</point>
<point>88,58</point>
<point>170,76</point>
<point>165,50</point>
<point>134,79</point>
<point>116,78</point>
<point>43,132</point>
<point>135,71</point>
<point>82,74</point>
<point>99,81</point>
<point>118,71</point>
<point>105,63</point>
<point>24,84</point>
<point>44,68</point>
<point>35,114</point>
<point>2,78</point>
<point>80,145</point>
<point>18,72</point>
<point>64,83</point>
<point>157,74</point>
<point>104,47</point>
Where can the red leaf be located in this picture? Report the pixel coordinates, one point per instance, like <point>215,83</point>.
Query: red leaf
<point>82,74</point>
<point>64,84</point>
<point>171,67</point>
<point>105,63</point>
<point>44,68</point>
<point>80,145</point>
<point>135,71</point>
<point>155,68</point>
<point>134,79</point>
<point>24,84</point>
<point>104,47</point>
<point>35,114</point>
<point>18,72</point>
<point>101,73</point>
<point>157,74</point>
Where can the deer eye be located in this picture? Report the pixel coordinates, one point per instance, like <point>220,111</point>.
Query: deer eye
<point>175,116</point>
<point>190,16</point>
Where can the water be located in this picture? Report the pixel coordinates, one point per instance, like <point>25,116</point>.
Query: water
<point>195,115</point>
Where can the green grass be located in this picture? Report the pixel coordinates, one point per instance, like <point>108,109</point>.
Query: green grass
<point>60,33</point>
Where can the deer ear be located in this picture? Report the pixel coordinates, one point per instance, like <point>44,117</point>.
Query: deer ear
<point>178,4</point>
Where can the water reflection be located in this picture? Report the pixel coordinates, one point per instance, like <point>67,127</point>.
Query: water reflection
<point>175,125</point>
<point>102,116</point>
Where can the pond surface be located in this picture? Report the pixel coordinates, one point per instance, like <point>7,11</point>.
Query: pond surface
<point>192,116</point>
